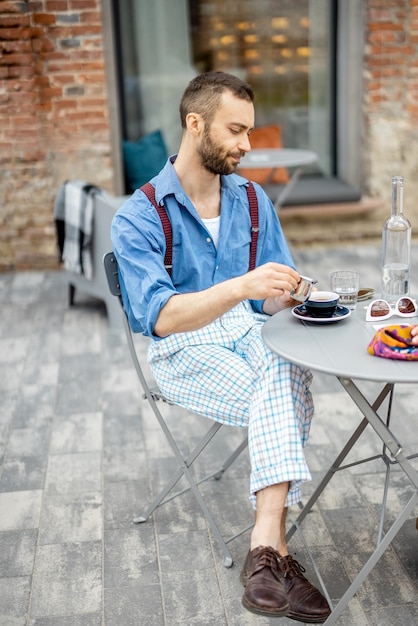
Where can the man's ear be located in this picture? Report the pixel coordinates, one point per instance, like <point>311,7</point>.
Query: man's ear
<point>194,124</point>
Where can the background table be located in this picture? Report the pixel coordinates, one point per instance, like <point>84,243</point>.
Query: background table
<point>280,157</point>
<point>340,349</point>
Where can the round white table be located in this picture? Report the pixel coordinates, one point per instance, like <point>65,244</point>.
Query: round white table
<point>340,349</point>
<point>278,157</point>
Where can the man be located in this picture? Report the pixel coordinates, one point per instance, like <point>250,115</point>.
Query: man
<point>205,321</point>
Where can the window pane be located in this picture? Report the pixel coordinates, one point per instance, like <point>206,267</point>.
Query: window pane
<point>282,48</point>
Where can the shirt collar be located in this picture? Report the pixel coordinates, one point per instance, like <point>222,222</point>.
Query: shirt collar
<point>167,183</point>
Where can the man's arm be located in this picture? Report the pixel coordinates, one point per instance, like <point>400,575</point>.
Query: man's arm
<point>271,282</point>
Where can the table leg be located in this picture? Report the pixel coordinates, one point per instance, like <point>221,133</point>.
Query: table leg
<point>381,430</point>
<point>390,442</point>
<point>287,189</point>
<point>336,465</point>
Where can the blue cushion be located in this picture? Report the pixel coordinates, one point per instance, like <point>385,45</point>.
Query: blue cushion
<point>144,158</point>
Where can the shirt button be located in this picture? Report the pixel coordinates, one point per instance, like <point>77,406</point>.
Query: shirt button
<point>208,239</point>
<point>217,267</point>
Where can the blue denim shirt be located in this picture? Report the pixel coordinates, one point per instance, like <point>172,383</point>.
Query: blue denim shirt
<point>139,245</point>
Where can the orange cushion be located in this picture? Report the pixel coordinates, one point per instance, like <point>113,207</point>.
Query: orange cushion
<point>266,137</point>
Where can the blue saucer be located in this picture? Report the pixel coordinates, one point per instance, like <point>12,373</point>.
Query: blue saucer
<point>340,313</point>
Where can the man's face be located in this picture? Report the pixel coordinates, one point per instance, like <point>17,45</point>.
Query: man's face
<point>226,141</point>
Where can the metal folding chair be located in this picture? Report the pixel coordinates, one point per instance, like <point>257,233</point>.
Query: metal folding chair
<point>185,462</point>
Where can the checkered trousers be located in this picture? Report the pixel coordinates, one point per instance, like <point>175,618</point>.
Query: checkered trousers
<point>224,371</point>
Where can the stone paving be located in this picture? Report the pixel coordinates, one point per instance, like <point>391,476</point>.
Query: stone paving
<point>80,455</point>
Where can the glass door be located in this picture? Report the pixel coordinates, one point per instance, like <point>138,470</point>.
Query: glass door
<point>284,48</point>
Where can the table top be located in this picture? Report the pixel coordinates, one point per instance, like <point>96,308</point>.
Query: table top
<point>278,157</point>
<point>339,348</point>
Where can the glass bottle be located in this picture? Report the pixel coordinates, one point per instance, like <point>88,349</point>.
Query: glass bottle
<point>396,247</point>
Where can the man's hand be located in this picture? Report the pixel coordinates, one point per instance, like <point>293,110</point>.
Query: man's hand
<point>271,280</point>
<point>414,333</point>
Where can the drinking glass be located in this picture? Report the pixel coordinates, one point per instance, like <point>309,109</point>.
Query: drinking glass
<point>346,284</point>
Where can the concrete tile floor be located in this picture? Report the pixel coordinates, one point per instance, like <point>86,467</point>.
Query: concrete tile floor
<point>80,455</point>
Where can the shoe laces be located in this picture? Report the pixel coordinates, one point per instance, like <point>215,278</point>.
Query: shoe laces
<point>268,557</point>
<point>290,566</point>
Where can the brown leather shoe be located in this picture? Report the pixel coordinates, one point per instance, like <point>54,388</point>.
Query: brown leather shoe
<point>263,581</point>
<point>307,604</point>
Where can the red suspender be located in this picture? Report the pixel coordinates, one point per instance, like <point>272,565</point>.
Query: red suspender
<point>252,200</point>
<point>149,191</point>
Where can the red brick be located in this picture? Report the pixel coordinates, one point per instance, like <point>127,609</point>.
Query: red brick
<point>87,55</point>
<point>50,92</point>
<point>95,102</point>
<point>83,4</point>
<point>42,81</point>
<point>79,29</point>
<point>44,106</point>
<point>11,7</point>
<point>57,55</point>
<point>91,16</point>
<point>386,3</point>
<point>16,59</point>
<point>63,79</point>
<point>56,5</point>
<point>85,115</point>
<point>11,34</point>
<point>65,104</point>
<point>16,46</point>
<point>37,31</point>
<point>393,50</point>
<point>20,134</point>
<point>47,45</point>
<point>20,120</point>
<point>44,18</point>
<point>379,26</point>
<point>96,128</point>
<point>381,36</point>
<point>8,21</point>
<point>61,32</point>
<point>21,85</point>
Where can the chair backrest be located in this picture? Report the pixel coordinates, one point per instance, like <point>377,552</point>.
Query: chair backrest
<point>269,136</point>
<point>152,393</point>
<point>111,268</point>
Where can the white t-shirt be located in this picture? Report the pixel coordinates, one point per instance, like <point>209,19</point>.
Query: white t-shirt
<point>213,224</point>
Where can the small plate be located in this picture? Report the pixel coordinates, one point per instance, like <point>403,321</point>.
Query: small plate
<point>365,293</point>
<point>340,313</point>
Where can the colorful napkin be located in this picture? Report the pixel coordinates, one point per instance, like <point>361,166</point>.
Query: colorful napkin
<point>393,342</point>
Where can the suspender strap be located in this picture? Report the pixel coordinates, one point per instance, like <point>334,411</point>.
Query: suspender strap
<point>252,200</point>
<point>149,191</point>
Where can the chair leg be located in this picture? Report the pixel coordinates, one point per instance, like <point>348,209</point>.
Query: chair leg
<point>71,293</point>
<point>184,470</point>
<point>231,459</point>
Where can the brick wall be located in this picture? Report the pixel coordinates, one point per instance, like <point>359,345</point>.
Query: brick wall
<point>53,119</point>
<point>391,100</point>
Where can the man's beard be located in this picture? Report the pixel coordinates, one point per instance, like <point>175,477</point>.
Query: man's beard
<point>212,159</point>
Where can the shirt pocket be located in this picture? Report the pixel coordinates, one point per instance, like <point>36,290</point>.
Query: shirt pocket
<point>240,256</point>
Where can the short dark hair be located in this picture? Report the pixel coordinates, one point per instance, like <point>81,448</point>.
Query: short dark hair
<point>203,93</point>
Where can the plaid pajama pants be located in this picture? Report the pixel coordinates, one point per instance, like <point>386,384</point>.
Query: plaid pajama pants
<point>225,372</point>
